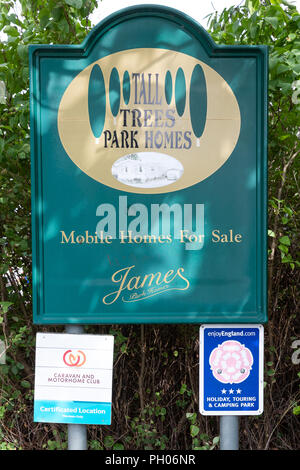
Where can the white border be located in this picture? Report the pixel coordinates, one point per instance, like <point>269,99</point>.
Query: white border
<point>260,371</point>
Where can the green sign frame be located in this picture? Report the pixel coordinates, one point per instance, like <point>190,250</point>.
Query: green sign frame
<point>175,232</point>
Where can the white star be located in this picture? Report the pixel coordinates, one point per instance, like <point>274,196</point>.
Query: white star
<point>231,391</point>
<point>223,391</point>
<point>238,391</point>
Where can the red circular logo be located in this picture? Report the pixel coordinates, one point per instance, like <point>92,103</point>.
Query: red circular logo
<point>72,359</point>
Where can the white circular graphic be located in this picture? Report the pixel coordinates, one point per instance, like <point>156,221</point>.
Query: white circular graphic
<point>231,362</point>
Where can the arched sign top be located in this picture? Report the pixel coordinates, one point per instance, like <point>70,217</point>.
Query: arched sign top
<point>149,174</point>
<point>154,11</point>
<point>159,12</point>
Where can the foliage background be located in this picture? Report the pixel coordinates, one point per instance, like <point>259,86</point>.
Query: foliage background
<point>156,367</point>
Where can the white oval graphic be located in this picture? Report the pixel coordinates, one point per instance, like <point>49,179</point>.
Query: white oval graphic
<point>149,120</point>
<point>147,170</point>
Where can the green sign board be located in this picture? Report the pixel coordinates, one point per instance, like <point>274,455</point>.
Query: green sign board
<point>149,175</point>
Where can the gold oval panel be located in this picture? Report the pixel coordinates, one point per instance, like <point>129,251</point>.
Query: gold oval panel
<point>148,126</point>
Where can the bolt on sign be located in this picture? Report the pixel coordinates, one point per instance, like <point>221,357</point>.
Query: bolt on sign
<point>73,378</point>
<point>148,175</point>
<point>231,369</point>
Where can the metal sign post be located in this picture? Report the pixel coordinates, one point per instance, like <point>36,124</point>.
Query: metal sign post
<point>77,433</point>
<point>229,433</point>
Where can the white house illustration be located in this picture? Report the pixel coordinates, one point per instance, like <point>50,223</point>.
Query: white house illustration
<point>147,169</point>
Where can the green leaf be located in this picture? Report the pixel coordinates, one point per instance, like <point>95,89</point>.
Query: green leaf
<point>44,17</point>
<point>3,267</point>
<point>57,13</point>
<point>22,51</point>
<point>2,93</point>
<point>253,5</point>
<point>236,26</point>
<point>282,68</point>
<point>284,137</point>
<point>25,384</point>
<point>191,417</point>
<point>109,441</point>
<point>194,430</point>
<point>5,306</point>
<point>11,31</point>
<point>285,240</point>
<point>118,446</point>
<point>296,68</point>
<point>273,21</point>
<point>296,410</point>
<point>283,248</point>
<point>63,26</point>
<point>273,62</point>
<point>74,3</point>
<point>253,30</point>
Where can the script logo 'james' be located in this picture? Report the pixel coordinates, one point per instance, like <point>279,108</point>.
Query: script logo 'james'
<point>132,288</point>
<point>149,120</point>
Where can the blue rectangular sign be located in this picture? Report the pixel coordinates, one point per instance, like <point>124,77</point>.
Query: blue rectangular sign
<point>56,411</point>
<point>231,369</point>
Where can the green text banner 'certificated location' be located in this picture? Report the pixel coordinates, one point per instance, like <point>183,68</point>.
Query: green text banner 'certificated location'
<point>148,175</point>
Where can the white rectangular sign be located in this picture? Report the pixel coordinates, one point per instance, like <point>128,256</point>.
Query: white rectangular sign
<point>73,378</point>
